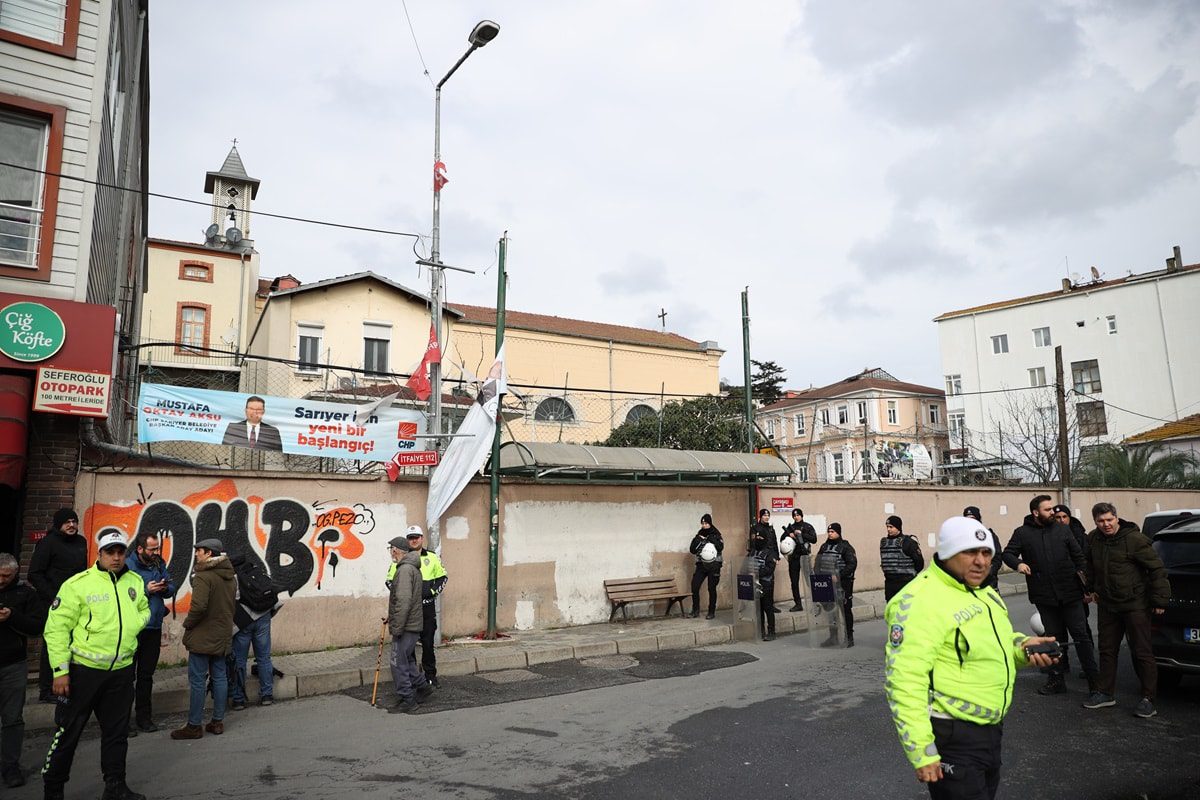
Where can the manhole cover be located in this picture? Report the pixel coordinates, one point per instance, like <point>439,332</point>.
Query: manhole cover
<point>610,662</point>
<point>509,676</point>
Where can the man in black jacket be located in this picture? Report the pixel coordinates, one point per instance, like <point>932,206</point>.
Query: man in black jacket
<point>805,536</point>
<point>837,556</point>
<point>993,578</point>
<point>58,555</point>
<point>1062,514</point>
<point>1053,564</point>
<point>765,547</point>
<point>899,557</point>
<point>21,616</point>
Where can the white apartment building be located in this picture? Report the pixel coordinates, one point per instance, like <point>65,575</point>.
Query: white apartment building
<point>1131,360</point>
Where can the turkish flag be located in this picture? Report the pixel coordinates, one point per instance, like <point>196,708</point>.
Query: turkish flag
<point>439,176</point>
<point>419,380</point>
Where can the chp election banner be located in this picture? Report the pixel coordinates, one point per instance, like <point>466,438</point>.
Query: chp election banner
<point>365,432</point>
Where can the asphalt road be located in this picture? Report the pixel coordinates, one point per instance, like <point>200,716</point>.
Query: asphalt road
<point>761,720</point>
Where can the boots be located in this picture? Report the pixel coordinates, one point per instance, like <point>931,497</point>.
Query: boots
<point>849,640</point>
<point>188,732</point>
<point>117,790</point>
<point>52,791</point>
<point>1055,684</point>
<point>216,727</point>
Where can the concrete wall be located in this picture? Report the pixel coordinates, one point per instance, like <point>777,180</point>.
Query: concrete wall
<point>324,538</point>
<point>862,511</point>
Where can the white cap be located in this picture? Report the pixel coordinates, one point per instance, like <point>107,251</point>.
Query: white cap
<point>962,533</point>
<point>112,539</point>
<point>414,530</point>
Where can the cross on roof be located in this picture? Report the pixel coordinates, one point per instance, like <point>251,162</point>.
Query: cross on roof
<point>663,316</point>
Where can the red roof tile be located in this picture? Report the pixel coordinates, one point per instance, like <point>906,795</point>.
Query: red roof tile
<point>852,385</point>
<point>1180,429</point>
<point>544,323</point>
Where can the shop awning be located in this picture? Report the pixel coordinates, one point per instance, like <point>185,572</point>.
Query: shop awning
<point>556,460</point>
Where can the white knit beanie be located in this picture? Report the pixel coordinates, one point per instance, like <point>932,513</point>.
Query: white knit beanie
<point>962,533</point>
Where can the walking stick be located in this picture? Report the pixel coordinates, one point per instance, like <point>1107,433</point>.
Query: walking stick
<point>378,662</point>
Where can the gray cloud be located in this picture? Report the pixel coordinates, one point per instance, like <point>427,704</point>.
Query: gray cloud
<point>937,61</point>
<point>640,274</point>
<point>908,244</point>
<point>1107,144</point>
<point>848,302</point>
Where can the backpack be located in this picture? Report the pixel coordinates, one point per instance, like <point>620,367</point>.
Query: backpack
<point>255,589</point>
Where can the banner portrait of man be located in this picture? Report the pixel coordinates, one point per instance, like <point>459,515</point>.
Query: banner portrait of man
<point>252,432</point>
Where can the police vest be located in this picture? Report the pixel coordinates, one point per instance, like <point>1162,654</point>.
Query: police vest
<point>95,620</point>
<point>893,559</point>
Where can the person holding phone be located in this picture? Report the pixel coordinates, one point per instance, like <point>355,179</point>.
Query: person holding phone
<point>950,665</point>
<point>145,559</point>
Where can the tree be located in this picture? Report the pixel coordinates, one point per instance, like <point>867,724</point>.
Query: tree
<point>1026,433</point>
<point>702,423</point>
<point>1148,467</point>
<point>766,383</point>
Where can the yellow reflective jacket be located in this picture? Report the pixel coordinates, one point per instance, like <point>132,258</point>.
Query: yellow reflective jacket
<point>951,652</point>
<point>95,620</point>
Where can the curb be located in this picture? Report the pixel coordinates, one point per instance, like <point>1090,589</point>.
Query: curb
<point>40,716</point>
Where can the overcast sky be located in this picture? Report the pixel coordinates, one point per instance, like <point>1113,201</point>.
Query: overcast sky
<point>862,166</point>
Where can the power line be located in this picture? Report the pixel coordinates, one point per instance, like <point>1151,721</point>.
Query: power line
<point>162,196</point>
<point>404,4</point>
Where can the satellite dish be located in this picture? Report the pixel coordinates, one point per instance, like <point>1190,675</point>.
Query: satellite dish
<point>210,233</point>
<point>1095,274</point>
<point>233,235</point>
<point>230,335</point>
<point>345,382</point>
<point>1076,278</point>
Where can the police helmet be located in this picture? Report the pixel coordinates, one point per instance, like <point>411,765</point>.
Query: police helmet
<point>708,552</point>
<point>787,546</point>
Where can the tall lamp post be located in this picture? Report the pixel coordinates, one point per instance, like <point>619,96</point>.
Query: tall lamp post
<point>481,34</point>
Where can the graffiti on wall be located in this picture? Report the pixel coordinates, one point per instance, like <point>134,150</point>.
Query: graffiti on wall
<point>299,544</point>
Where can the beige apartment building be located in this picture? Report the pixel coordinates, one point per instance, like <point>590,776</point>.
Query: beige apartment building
<point>572,380</point>
<point>870,427</point>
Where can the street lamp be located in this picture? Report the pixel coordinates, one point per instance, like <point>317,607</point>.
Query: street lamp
<point>482,33</point>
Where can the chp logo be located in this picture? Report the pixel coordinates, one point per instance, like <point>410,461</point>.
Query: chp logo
<point>406,436</point>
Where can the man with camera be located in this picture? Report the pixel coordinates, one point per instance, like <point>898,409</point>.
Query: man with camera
<point>146,561</point>
<point>950,665</point>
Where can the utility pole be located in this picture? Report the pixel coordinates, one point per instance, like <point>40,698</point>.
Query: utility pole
<point>752,495</point>
<point>494,516</point>
<point>1064,446</point>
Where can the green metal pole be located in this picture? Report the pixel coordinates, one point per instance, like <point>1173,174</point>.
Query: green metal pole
<point>494,532</point>
<point>751,495</point>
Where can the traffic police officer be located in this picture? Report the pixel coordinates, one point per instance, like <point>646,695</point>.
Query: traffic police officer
<point>91,636</point>
<point>951,661</point>
<point>433,580</point>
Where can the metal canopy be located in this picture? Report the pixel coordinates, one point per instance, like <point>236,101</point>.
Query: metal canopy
<point>548,459</point>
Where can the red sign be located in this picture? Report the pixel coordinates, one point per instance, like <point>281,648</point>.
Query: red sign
<point>88,346</point>
<point>781,502</point>
<point>416,458</point>
<point>406,431</point>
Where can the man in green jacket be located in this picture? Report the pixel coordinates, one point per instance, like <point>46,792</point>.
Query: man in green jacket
<point>1129,582</point>
<point>950,664</point>
<point>208,637</point>
<point>91,637</point>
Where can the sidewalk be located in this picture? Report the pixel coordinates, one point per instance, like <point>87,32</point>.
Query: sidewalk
<point>328,671</point>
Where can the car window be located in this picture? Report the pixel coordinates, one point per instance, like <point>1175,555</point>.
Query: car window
<point>1154,524</point>
<point>1179,549</point>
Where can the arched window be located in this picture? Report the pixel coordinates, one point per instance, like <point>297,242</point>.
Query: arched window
<point>554,409</point>
<point>640,411</point>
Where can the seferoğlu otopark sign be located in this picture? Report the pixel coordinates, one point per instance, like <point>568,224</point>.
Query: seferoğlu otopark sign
<point>30,332</point>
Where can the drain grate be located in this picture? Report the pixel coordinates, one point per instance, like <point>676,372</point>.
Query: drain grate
<point>509,676</point>
<point>610,662</point>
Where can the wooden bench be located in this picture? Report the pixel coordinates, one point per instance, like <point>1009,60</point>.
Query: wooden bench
<point>622,591</point>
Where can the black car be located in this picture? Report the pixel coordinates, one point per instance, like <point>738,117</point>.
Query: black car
<point>1175,635</point>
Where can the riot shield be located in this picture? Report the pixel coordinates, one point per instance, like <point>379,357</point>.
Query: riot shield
<point>747,623</point>
<point>826,616</point>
